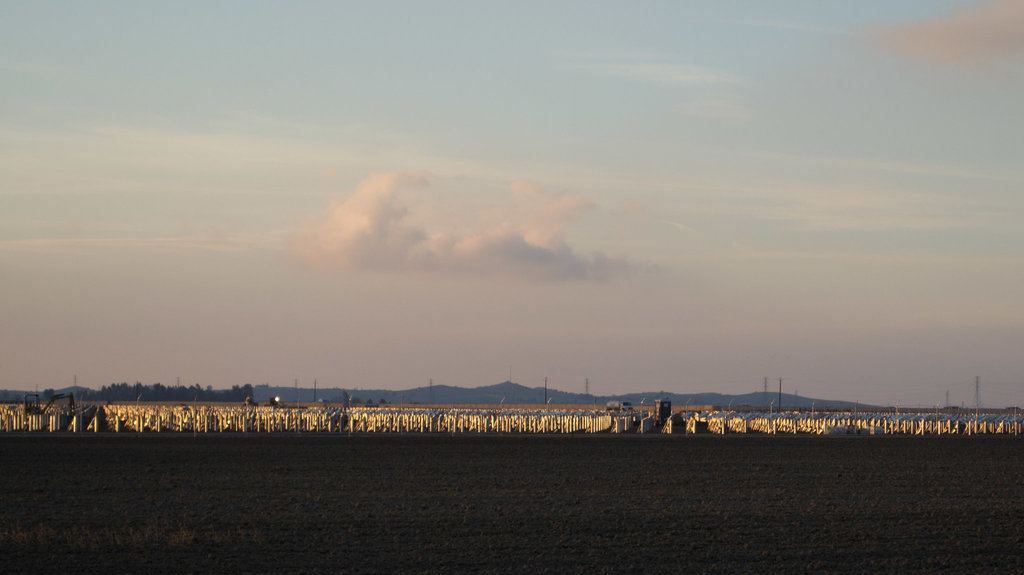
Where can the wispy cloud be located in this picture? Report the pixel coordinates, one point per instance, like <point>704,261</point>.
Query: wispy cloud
<point>982,33</point>
<point>375,229</point>
<point>858,208</point>
<point>888,166</point>
<point>679,226</point>
<point>872,210</point>
<point>34,68</point>
<point>833,207</point>
<point>788,25</point>
<point>716,108</point>
<point>653,69</point>
<point>218,243</point>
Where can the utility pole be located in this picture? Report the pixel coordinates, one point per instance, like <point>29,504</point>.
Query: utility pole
<point>977,395</point>
<point>947,398</point>
<point>586,386</point>
<point>780,394</point>
<point>314,390</point>
<point>430,388</point>
<point>545,391</point>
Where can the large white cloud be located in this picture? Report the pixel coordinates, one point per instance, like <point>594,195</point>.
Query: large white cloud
<point>377,229</point>
<point>979,34</point>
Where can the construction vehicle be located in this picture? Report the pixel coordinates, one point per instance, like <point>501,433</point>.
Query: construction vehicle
<point>61,411</point>
<point>34,406</point>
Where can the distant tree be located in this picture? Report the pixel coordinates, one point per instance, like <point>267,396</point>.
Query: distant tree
<point>243,392</point>
<point>159,392</point>
<point>48,393</point>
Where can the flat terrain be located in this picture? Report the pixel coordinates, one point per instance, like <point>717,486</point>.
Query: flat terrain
<point>444,504</point>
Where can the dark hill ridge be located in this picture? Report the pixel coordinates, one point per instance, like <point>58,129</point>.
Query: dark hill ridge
<point>512,393</point>
<point>507,392</point>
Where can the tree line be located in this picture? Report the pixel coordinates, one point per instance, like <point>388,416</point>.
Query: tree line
<point>160,392</point>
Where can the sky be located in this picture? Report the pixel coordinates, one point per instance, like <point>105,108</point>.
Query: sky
<point>680,196</point>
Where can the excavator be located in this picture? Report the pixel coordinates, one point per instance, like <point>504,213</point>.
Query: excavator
<point>33,405</point>
<point>76,416</point>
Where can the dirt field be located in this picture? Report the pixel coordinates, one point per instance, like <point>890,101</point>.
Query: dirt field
<point>446,504</point>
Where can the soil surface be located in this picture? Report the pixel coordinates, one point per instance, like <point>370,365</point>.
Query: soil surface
<point>457,504</point>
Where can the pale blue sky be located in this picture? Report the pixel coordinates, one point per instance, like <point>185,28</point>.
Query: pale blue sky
<point>685,196</point>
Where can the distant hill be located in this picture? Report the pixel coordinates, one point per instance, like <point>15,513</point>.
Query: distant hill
<point>507,393</point>
<point>12,395</point>
<point>511,393</point>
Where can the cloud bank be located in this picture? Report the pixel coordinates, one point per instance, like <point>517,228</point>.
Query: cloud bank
<point>980,34</point>
<point>375,229</point>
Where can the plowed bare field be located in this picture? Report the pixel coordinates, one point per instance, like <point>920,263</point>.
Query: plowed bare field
<point>444,504</point>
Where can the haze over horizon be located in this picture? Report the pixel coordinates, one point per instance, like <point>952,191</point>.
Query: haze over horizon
<point>670,196</point>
